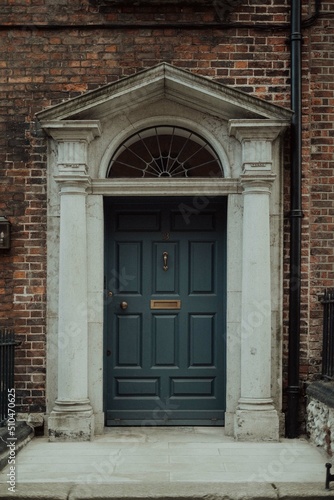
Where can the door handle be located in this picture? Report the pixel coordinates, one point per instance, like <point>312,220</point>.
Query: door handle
<point>165,259</point>
<point>123,305</point>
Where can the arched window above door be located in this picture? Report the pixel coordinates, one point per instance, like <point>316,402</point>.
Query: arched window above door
<point>165,151</point>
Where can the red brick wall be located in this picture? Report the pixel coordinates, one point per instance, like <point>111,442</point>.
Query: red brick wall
<point>320,121</point>
<point>43,66</point>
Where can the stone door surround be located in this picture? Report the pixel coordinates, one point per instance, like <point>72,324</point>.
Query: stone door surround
<point>83,133</point>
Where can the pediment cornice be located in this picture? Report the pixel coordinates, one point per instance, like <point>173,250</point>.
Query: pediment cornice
<point>165,81</point>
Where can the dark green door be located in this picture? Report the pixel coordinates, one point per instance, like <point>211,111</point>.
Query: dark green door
<point>165,313</point>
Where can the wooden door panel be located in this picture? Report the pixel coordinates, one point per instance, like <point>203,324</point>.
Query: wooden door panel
<point>202,267</point>
<point>129,341</point>
<point>191,387</point>
<point>138,221</point>
<point>128,270</point>
<point>202,340</point>
<point>130,387</point>
<point>188,218</point>
<point>165,281</point>
<point>164,340</point>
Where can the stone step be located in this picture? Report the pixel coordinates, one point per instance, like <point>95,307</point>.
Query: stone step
<point>168,491</point>
<point>22,435</point>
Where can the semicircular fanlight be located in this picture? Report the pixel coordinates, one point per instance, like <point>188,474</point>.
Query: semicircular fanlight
<point>165,151</point>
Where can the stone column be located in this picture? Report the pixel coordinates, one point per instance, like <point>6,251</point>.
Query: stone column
<point>256,417</point>
<point>72,416</point>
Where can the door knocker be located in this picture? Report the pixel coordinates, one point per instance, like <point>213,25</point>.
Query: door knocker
<point>165,259</point>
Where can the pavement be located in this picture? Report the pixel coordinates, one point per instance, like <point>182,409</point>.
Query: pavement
<point>166,463</point>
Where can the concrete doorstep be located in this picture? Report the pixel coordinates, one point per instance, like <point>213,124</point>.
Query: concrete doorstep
<point>23,434</point>
<point>167,464</point>
<point>168,491</point>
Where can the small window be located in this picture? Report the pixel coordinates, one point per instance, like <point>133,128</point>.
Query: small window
<point>165,151</point>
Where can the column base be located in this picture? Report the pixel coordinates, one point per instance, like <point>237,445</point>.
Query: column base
<point>71,421</point>
<point>256,424</point>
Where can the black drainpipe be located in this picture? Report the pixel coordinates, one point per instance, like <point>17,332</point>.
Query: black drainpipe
<point>295,223</point>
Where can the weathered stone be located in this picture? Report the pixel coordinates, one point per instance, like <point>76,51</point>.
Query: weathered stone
<point>320,414</point>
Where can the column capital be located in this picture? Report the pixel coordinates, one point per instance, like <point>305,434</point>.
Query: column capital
<point>257,129</point>
<point>257,184</point>
<point>256,137</point>
<point>72,138</point>
<point>72,130</point>
<point>73,183</point>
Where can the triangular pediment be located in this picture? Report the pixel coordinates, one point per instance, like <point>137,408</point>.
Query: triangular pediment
<point>164,82</point>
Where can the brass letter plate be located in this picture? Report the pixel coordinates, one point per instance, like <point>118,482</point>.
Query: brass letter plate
<point>165,304</point>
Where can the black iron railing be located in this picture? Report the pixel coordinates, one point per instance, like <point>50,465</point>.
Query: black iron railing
<point>7,356</point>
<point>328,334</point>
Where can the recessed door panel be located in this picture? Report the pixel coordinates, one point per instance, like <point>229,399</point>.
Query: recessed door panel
<point>165,268</point>
<point>202,340</point>
<point>137,387</point>
<point>165,313</point>
<point>188,217</point>
<point>165,329</point>
<point>138,221</point>
<point>192,387</point>
<point>128,272</point>
<point>128,332</point>
<point>202,266</point>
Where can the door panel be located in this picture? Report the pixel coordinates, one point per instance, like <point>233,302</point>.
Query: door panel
<point>188,218</point>
<point>128,268</point>
<point>136,387</point>
<point>128,333</point>
<point>201,340</point>
<point>165,361</point>
<point>202,266</point>
<point>145,221</point>
<point>192,387</point>
<point>165,329</point>
<point>165,281</point>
